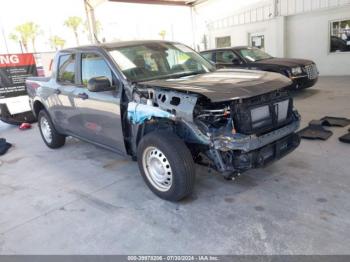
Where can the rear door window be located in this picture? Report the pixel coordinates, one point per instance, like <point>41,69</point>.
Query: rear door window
<point>66,69</point>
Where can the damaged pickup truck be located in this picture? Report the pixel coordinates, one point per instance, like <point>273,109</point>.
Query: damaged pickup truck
<point>168,108</point>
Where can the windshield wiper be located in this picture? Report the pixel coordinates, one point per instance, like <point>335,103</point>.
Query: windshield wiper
<point>170,76</point>
<point>186,74</point>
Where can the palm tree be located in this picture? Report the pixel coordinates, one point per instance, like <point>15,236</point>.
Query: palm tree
<point>25,33</point>
<point>14,37</point>
<point>74,22</point>
<point>162,34</point>
<point>57,42</point>
<point>34,30</point>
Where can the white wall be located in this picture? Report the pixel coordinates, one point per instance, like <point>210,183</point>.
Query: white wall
<point>307,36</point>
<point>274,38</point>
<point>299,31</point>
<point>217,17</point>
<point>218,9</point>
<point>292,7</point>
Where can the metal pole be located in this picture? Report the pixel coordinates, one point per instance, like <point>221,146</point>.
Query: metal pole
<point>4,36</point>
<point>193,29</point>
<point>90,15</point>
<point>93,23</point>
<point>5,41</point>
<point>20,44</point>
<point>86,5</point>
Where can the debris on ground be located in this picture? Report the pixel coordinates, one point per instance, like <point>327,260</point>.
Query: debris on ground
<point>4,146</point>
<point>335,121</point>
<point>345,138</point>
<point>315,131</point>
<point>25,126</point>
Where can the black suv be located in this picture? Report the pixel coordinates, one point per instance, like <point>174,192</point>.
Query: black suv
<point>303,73</point>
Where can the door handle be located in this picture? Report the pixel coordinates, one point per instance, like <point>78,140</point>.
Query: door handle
<point>57,91</point>
<point>83,96</point>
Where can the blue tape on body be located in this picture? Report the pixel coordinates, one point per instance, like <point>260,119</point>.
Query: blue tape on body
<point>139,113</point>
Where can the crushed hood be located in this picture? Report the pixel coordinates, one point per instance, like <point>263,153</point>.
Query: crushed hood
<point>225,84</point>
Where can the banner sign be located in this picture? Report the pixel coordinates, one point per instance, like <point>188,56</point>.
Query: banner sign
<point>14,69</point>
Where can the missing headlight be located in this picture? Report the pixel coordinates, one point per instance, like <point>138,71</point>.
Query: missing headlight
<point>261,116</point>
<point>281,110</point>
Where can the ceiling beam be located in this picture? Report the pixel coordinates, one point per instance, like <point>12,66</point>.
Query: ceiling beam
<point>158,2</point>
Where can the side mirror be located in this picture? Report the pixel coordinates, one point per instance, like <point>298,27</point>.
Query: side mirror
<point>99,84</point>
<point>236,61</point>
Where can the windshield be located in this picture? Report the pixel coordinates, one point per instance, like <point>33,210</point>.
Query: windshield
<point>253,54</point>
<point>159,60</point>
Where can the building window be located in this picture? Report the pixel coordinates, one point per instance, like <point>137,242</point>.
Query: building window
<point>223,41</point>
<point>257,41</point>
<point>340,36</point>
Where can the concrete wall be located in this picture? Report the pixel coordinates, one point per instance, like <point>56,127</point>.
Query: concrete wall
<point>307,36</point>
<point>271,29</point>
<point>218,18</point>
<point>303,35</point>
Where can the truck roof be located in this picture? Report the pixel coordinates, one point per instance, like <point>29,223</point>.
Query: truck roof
<point>113,45</point>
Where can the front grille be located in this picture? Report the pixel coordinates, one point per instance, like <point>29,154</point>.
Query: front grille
<point>262,115</point>
<point>311,71</point>
<point>281,110</point>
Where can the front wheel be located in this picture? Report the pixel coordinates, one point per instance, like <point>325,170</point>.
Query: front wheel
<point>48,132</point>
<point>166,165</point>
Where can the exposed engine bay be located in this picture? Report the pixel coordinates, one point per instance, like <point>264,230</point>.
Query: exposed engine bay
<point>230,136</point>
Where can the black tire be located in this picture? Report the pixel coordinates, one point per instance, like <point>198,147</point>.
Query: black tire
<point>179,158</point>
<point>57,140</point>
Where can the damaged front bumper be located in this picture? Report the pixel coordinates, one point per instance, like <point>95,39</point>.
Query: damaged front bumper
<point>267,154</point>
<point>248,143</point>
<point>236,153</point>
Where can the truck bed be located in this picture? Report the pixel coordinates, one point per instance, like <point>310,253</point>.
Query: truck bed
<point>39,78</point>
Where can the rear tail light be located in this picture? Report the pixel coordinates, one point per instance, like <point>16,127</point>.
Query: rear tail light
<point>32,85</point>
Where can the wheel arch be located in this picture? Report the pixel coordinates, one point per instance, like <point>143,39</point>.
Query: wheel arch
<point>138,131</point>
<point>37,107</point>
<point>181,129</point>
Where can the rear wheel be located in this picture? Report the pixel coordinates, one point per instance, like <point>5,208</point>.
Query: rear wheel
<point>48,132</point>
<point>166,165</point>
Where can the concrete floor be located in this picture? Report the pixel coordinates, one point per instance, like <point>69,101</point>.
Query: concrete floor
<point>85,200</point>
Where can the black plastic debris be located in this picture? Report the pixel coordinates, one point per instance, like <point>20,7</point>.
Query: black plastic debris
<point>314,131</point>
<point>345,138</point>
<point>4,146</point>
<point>334,121</point>
<point>316,122</point>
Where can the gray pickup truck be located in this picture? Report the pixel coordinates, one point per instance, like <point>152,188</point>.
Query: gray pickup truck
<point>168,108</point>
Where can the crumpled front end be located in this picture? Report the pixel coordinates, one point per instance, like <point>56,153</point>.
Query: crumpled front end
<point>231,136</point>
<point>236,153</point>
<point>249,133</point>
